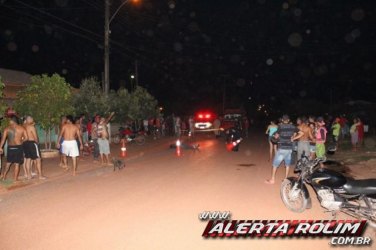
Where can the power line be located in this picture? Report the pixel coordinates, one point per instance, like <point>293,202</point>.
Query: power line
<point>120,49</point>
<point>58,18</point>
<point>46,22</point>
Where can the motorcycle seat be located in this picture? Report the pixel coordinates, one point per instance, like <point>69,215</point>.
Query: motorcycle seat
<point>366,186</point>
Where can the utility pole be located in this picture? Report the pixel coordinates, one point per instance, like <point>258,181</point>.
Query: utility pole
<point>106,85</point>
<point>223,96</point>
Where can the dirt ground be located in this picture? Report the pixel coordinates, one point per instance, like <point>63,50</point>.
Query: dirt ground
<point>154,202</point>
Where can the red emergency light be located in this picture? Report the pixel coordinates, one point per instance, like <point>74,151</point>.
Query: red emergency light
<point>204,116</point>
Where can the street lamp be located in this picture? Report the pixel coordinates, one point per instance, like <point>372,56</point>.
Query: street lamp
<point>107,22</point>
<point>132,82</point>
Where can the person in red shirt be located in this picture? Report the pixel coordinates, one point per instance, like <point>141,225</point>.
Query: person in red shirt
<point>360,129</point>
<point>344,127</point>
<point>89,127</point>
<point>10,112</point>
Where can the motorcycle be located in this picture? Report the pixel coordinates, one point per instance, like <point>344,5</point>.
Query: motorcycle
<point>233,139</point>
<point>335,192</point>
<point>129,136</point>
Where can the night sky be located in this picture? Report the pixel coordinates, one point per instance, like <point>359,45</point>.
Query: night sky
<point>190,51</point>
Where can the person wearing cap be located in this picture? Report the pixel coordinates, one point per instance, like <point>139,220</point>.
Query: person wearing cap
<point>320,139</point>
<point>287,133</point>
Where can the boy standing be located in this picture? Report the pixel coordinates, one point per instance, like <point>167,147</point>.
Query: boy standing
<point>320,139</point>
<point>336,129</point>
<point>287,134</point>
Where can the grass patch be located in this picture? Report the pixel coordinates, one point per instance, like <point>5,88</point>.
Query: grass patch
<point>7,183</point>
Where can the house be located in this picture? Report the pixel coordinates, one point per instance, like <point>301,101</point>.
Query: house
<point>14,82</point>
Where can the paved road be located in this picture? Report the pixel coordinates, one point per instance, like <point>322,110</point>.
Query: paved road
<point>153,203</point>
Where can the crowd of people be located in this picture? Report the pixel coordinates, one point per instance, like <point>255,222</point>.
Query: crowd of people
<point>172,125</point>
<point>75,134</point>
<point>309,136</point>
<point>21,144</point>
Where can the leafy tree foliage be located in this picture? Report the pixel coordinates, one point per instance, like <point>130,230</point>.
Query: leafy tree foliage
<point>3,106</point>
<point>120,103</point>
<point>46,99</point>
<point>90,99</point>
<point>142,104</point>
<point>137,105</point>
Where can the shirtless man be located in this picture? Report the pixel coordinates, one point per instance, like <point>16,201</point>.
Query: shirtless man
<point>69,147</point>
<point>304,141</point>
<point>31,149</point>
<point>16,135</point>
<point>63,121</point>
<point>104,144</point>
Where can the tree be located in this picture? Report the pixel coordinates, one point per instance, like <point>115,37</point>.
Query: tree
<point>142,104</point>
<point>90,99</point>
<point>46,99</point>
<point>134,106</point>
<point>3,106</point>
<point>120,103</point>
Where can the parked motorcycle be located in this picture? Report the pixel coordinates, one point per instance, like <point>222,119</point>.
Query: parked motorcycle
<point>233,138</point>
<point>335,192</point>
<point>129,136</point>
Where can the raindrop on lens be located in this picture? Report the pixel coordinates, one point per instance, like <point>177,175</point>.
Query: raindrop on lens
<point>295,39</point>
<point>12,46</point>
<point>269,61</point>
<point>358,15</point>
<point>35,48</point>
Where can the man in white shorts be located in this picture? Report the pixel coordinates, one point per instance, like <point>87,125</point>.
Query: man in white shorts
<point>70,132</point>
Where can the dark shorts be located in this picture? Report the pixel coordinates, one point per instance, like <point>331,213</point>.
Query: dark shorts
<point>15,154</point>
<point>31,150</point>
<point>78,144</point>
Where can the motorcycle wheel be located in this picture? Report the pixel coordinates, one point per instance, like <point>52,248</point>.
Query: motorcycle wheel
<point>140,140</point>
<point>295,201</point>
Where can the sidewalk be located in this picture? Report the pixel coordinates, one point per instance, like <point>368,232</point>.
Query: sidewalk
<point>53,171</point>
